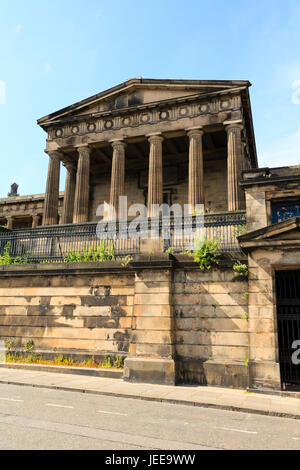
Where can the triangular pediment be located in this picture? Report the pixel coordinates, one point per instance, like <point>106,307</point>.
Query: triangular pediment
<point>138,92</point>
<point>287,230</point>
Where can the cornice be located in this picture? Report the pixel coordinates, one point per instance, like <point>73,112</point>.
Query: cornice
<point>151,113</point>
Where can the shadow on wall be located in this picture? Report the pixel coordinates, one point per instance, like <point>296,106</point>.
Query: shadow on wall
<point>211,322</point>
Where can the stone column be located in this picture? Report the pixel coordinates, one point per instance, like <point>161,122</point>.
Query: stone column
<point>196,184</point>
<point>117,187</point>
<point>82,192</point>
<point>235,165</point>
<point>69,198</point>
<point>52,189</point>
<point>155,182</point>
<point>9,223</point>
<point>35,221</point>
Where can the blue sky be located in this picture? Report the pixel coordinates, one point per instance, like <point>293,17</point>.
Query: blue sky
<point>56,52</point>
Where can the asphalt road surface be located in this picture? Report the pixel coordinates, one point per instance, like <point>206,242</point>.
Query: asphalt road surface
<point>33,418</point>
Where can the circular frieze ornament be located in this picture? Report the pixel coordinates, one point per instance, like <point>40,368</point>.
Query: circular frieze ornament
<point>126,121</point>
<point>58,132</point>
<point>145,117</point>
<point>75,130</point>
<point>183,111</point>
<point>204,108</point>
<point>108,124</point>
<point>224,104</point>
<point>164,115</point>
<point>91,127</point>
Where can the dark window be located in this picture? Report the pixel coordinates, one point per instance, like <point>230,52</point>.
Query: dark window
<point>282,211</point>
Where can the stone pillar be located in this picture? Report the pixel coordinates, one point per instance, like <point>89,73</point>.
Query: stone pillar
<point>68,208</point>
<point>196,184</point>
<point>35,221</point>
<point>9,223</point>
<point>155,182</point>
<point>117,187</point>
<point>82,192</point>
<point>236,200</point>
<point>152,351</point>
<point>52,189</point>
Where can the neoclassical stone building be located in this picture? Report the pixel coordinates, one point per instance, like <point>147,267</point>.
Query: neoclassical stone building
<point>155,141</point>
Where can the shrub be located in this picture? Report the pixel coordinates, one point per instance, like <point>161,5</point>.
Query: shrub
<point>240,269</point>
<point>206,253</point>
<point>6,259</point>
<point>103,252</point>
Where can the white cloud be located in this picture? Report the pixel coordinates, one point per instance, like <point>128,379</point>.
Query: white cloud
<point>47,67</point>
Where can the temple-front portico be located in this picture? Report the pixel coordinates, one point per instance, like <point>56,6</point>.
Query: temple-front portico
<point>189,145</point>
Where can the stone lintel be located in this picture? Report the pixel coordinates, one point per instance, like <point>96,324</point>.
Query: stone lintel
<point>234,124</point>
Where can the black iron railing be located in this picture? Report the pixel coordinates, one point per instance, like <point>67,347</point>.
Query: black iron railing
<point>223,228</point>
<point>54,243</point>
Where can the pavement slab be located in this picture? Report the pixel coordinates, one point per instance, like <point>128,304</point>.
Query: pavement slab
<point>221,398</point>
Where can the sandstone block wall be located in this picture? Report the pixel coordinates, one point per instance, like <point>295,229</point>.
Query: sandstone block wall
<point>211,326</point>
<point>68,312</point>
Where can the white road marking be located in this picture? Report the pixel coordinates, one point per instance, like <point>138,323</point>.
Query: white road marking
<point>111,413</point>
<point>238,430</point>
<point>12,399</point>
<point>60,406</point>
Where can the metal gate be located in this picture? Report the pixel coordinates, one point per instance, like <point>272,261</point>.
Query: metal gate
<point>288,316</point>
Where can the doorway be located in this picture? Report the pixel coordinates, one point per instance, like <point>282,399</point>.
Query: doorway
<point>288,318</point>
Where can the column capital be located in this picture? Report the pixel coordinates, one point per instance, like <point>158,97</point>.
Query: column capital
<point>118,143</point>
<point>69,165</point>
<point>234,125</point>
<point>157,136</point>
<point>194,131</point>
<point>83,148</point>
<point>57,154</point>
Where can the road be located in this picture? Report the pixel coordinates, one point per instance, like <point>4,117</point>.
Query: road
<point>33,418</point>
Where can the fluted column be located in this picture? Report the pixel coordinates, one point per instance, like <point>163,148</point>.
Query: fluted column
<point>69,197</point>
<point>9,223</point>
<point>52,189</point>
<point>155,182</point>
<point>82,192</point>
<point>35,221</point>
<point>117,187</point>
<point>235,165</point>
<point>196,184</point>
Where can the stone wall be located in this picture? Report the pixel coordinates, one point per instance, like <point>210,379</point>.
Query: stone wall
<point>211,339</point>
<point>68,312</point>
<point>171,321</point>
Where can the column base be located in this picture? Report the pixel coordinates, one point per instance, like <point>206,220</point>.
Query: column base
<point>145,370</point>
<point>265,375</point>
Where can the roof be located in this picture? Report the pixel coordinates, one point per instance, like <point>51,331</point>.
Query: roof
<point>204,85</point>
<point>286,233</point>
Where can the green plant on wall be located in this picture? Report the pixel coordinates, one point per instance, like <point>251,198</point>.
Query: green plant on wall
<point>29,346</point>
<point>6,258</point>
<point>240,269</point>
<point>103,252</point>
<point>206,253</point>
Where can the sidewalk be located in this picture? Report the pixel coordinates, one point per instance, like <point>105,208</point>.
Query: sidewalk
<point>208,397</point>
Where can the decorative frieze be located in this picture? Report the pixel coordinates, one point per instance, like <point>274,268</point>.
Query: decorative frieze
<point>154,115</point>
